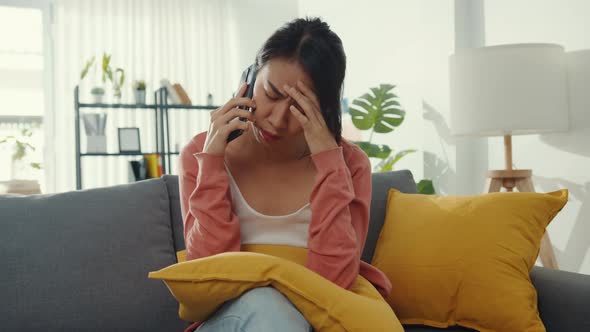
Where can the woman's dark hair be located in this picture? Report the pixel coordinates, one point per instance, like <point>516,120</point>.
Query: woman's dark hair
<point>311,43</point>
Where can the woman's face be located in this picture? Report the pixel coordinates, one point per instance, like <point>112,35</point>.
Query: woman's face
<point>272,113</point>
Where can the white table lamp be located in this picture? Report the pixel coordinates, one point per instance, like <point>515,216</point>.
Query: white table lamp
<point>510,90</point>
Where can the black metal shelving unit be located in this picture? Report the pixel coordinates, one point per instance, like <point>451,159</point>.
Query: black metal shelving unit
<point>162,139</point>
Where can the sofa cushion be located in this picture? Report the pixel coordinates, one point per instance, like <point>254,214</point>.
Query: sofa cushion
<point>79,260</point>
<point>465,260</point>
<point>202,285</point>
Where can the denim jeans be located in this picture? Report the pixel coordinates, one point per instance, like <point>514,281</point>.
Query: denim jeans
<point>262,309</point>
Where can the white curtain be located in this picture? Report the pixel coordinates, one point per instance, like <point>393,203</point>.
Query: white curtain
<point>186,41</point>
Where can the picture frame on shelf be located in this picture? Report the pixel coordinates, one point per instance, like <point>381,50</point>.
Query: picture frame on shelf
<point>129,140</point>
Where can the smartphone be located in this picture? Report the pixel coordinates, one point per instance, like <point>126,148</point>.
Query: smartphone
<point>249,77</point>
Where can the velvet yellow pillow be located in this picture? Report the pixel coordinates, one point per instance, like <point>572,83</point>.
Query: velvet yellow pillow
<point>202,285</point>
<point>465,260</point>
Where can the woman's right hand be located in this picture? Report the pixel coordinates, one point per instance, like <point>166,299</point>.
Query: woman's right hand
<point>221,125</point>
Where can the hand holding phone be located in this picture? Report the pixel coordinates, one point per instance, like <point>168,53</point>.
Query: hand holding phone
<point>223,122</point>
<point>249,78</point>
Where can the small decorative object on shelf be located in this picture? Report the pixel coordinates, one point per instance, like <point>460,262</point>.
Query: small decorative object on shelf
<point>176,93</point>
<point>140,92</point>
<point>118,84</point>
<point>170,91</point>
<point>94,124</point>
<point>129,141</point>
<point>209,99</point>
<point>184,99</point>
<point>97,92</point>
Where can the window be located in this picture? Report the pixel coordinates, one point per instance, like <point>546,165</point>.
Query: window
<point>22,92</point>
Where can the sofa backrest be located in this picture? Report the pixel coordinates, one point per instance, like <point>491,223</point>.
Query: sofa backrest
<point>78,261</point>
<point>381,183</point>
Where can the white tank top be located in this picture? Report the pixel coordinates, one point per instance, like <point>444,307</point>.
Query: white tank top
<point>257,228</point>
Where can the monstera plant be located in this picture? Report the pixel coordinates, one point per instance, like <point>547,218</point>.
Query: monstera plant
<point>380,112</point>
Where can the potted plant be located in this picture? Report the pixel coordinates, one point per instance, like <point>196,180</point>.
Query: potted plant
<point>97,92</point>
<point>380,112</point>
<point>139,89</point>
<point>107,73</point>
<point>21,148</point>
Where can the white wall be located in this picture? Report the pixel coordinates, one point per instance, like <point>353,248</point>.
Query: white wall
<point>557,160</point>
<point>440,148</point>
<point>383,41</point>
<point>255,21</point>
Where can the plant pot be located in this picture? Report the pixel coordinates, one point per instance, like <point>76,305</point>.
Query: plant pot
<point>97,98</point>
<point>20,187</point>
<point>22,169</point>
<point>140,97</point>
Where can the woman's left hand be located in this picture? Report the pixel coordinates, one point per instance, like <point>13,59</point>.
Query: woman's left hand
<point>318,135</point>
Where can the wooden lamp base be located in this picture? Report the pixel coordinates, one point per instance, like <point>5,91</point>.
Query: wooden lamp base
<point>522,180</point>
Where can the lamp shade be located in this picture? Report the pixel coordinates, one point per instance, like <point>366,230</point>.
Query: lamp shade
<point>509,90</point>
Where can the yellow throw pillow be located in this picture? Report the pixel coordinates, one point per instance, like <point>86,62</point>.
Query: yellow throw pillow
<point>465,260</point>
<point>202,285</point>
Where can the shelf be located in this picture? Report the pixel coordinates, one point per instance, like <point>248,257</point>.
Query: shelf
<point>102,105</point>
<point>159,106</point>
<point>191,107</point>
<point>147,106</point>
<point>124,154</point>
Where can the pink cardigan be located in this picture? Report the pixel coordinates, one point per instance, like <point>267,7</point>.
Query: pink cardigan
<point>340,202</point>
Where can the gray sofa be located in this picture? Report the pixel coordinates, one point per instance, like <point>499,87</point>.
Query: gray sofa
<point>78,261</point>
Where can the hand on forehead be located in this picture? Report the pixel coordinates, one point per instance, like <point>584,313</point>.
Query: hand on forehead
<point>278,72</point>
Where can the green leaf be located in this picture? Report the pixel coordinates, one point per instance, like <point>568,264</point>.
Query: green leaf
<point>26,132</point>
<point>122,77</point>
<point>36,165</point>
<point>367,107</point>
<point>388,120</point>
<point>87,67</point>
<point>369,98</point>
<point>360,119</point>
<point>390,103</point>
<point>388,164</point>
<point>378,110</point>
<point>20,151</point>
<point>374,150</point>
<point>426,187</point>
<point>106,69</point>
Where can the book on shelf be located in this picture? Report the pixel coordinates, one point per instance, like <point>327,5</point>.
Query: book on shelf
<point>172,94</point>
<point>149,167</point>
<point>184,99</point>
<point>176,93</point>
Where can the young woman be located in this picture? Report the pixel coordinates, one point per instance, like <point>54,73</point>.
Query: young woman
<point>289,179</point>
